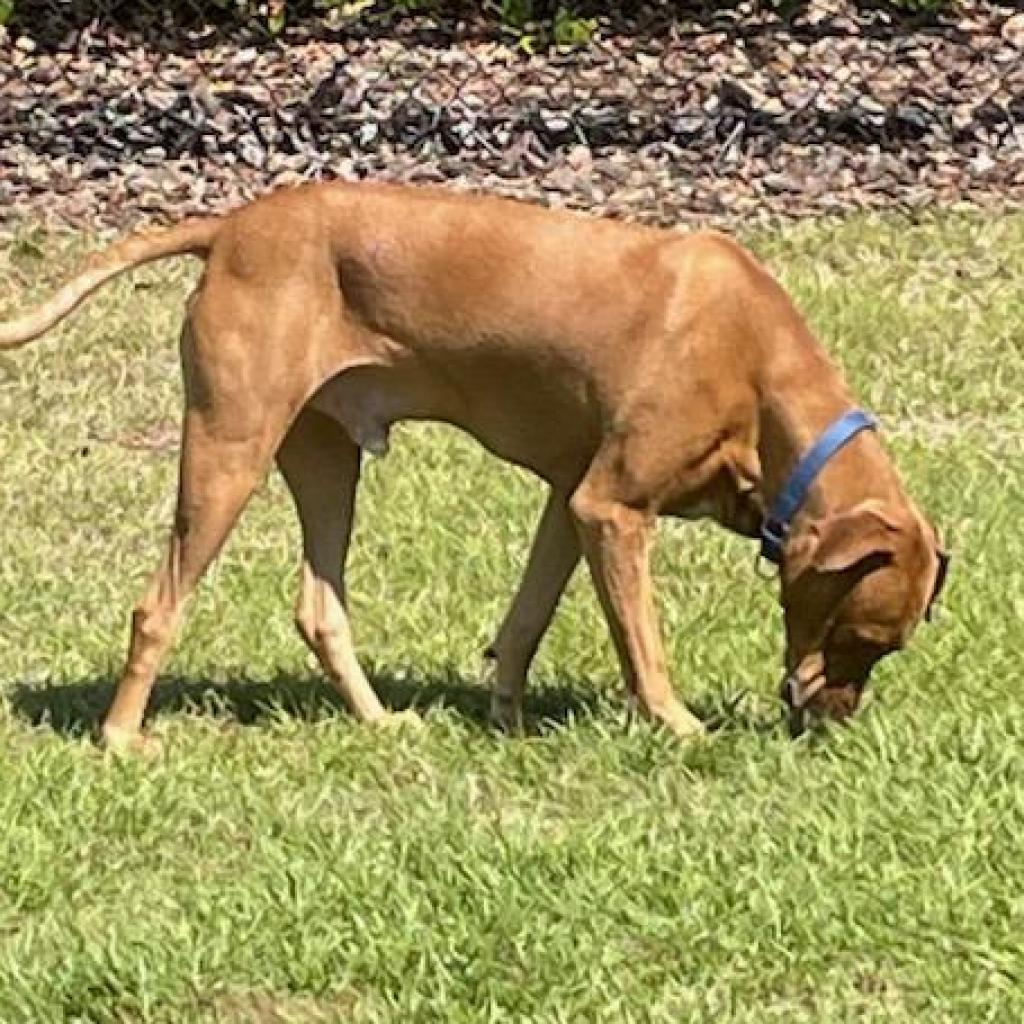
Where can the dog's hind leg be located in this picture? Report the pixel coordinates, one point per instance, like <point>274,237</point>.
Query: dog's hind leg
<point>320,464</point>
<point>221,465</point>
<point>553,557</point>
<point>616,536</point>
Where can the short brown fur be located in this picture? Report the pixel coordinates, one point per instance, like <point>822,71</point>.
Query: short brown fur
<point>638,372</point>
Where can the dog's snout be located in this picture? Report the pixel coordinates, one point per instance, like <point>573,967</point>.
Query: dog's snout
<point>796,717</point>
<point>818,699</point>
<point>786,690</point>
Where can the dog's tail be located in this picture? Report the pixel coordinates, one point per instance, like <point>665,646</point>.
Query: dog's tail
<point>193,238</point>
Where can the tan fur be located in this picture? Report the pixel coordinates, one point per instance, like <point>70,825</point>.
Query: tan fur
<point>638,372</point>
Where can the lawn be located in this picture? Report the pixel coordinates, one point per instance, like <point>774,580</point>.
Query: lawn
<point>280,863</point>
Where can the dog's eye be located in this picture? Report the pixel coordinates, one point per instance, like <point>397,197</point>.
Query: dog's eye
<point>855,656</point>
<point>874,650</point>
<point>875,640</point>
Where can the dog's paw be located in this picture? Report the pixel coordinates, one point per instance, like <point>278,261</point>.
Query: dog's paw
<point>407,719</point>
<point>131,743</point>
<point>507,715</point>
<point>678,721</point>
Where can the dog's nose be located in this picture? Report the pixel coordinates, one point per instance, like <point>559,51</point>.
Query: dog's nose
<point>796,717</point>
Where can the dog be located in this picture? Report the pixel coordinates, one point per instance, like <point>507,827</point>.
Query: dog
<point>637,371</point>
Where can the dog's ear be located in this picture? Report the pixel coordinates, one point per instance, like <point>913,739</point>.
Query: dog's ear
<point>845,540</point>
<point>940,581</point>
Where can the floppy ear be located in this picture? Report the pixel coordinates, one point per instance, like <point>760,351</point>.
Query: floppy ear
<point>940,581</point>
<point>846,539</point>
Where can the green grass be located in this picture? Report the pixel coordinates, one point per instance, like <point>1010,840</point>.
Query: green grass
<point>280,863</point>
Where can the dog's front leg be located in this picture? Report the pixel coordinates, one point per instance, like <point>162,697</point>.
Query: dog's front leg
<point>553,557</point>
<point>617,541</point>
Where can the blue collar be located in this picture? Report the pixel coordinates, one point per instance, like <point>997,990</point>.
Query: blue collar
<point>791,497</point>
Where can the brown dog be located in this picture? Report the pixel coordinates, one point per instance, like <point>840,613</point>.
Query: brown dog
<point>639,372</point>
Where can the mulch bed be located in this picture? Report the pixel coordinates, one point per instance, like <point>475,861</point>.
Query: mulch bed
<point>716,116</point>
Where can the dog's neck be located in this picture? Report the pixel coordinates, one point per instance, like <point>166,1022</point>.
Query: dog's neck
<point>795,411</point>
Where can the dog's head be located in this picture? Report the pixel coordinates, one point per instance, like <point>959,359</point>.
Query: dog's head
<point>855,584</point>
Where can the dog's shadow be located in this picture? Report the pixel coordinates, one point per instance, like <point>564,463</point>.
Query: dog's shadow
<point>75,709</point>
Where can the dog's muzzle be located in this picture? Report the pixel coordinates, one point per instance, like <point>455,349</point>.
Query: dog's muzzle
<point>797,694</point>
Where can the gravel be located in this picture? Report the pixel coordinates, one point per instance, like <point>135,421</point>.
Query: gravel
<point>708,117</point>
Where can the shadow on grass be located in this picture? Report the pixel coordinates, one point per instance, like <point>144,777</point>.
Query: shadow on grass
<point>76,709</point>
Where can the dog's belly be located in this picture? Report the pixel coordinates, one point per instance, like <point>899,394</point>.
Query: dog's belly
<point>536,419</point>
